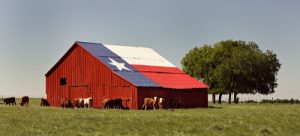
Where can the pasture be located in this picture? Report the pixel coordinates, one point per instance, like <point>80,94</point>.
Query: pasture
<point>234,119</point>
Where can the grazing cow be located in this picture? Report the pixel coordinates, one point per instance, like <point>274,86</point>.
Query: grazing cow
<point>10,100</point>
<point>24,100</point>
<point>78,102</point>
<point>88,102</point>
<point>174,103</point>
<point>161,103</point>
<point>66,103</point>
<point>106,103</point>
<point>150,102</point>
<point>44,102</point>
<point>113,103</point>
<point>126,104</point>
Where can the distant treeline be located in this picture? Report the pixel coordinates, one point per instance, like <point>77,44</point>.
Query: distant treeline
<point>290,101</point>
<point>283,101</point>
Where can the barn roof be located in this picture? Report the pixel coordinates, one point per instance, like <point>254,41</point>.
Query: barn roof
<point>106,56</point>
<point>141,66</point>
<point>139,55</point>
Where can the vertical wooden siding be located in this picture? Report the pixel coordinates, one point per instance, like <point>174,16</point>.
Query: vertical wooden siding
<point>190,98</point>
<point>86,77</point>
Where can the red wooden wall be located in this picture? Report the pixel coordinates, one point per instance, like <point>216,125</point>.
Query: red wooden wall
<point>190,98</point>
<point>86,77</point>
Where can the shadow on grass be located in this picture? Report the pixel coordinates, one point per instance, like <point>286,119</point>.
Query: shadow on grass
<point>214,107</point>
<point>266,131</point>
<point>218,127</point>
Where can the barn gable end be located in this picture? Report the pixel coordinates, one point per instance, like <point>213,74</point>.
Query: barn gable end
<point>85,76</point>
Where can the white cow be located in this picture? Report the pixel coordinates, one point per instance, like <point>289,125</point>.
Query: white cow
<point>161,103</point>
<point>88,102</point>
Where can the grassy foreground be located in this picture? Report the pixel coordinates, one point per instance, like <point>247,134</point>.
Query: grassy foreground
<point>231,120</point>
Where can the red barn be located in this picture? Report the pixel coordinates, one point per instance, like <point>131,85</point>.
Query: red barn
<point>110,71</point>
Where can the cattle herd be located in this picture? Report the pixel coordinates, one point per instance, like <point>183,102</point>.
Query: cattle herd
<point>12,101</point>
<point>76,103</point>
<point>24,101</point>
<point>161,103</point>
<point>117,103</point>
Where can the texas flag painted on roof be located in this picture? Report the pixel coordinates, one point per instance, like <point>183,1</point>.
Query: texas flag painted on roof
<point>141,66</point>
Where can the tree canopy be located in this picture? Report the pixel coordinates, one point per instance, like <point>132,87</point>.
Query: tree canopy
<point>233,67</point>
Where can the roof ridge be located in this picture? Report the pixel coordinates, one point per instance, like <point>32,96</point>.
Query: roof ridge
<point>87,42</point>
<point>133,46</point>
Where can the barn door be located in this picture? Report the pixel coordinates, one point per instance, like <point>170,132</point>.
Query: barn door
<point>79,91</point>
<point>125,93</point>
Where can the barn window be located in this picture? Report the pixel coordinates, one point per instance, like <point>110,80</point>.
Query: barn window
<point>63,81</point>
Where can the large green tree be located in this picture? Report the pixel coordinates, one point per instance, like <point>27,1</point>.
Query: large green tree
<point>231,66</point>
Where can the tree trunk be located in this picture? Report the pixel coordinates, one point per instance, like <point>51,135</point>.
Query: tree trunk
<point>214,98</point>
<point>229,99</point>
<point>236,101</point>
<point>220,98</point>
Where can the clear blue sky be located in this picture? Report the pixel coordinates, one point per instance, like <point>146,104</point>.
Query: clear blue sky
<point>35,34</point>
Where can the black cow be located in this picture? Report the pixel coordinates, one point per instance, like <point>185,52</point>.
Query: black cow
<point>113,103</point>
<point>44,102</point>
<point>174,103</point>
<point>24,100</point>
<point>10,100</point>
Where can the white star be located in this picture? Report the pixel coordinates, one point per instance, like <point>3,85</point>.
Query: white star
<point>120,66</point>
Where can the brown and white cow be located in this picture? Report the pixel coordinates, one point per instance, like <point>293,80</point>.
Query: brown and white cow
<point>161,103</point>
<point>150,102</point>
<point>78,103</point>
<point>66,103</point>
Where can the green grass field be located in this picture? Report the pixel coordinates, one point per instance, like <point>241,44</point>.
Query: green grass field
<point>231,120</point>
